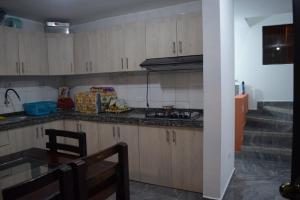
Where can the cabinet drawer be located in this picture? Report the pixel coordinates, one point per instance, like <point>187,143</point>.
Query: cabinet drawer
<point>4,139</point>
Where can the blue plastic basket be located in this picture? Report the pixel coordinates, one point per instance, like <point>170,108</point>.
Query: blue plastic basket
<point>40,108</point>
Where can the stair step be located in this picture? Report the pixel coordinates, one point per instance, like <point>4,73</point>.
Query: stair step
<point>269,122</point>
<point>283,113</point>
<point>265,153</point>
<point>269,139</point>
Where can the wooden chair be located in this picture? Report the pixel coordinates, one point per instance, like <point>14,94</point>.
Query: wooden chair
<point>98,179</point>
<point>53,145</point>
<point>56,185</point>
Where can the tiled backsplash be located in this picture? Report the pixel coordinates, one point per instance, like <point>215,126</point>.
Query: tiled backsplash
<point>184,90</point>
<point>30,89</point>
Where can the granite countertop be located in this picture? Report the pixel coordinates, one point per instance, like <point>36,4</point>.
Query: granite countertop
<point>134,117</point>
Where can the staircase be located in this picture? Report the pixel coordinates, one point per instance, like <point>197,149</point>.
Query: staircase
<point>268,133</point>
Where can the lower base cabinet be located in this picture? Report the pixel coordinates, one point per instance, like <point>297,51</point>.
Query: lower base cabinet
<point>172,157</point>
<point>111,134</point>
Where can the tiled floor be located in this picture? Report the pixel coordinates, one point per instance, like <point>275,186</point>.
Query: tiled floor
<point>252,180</point>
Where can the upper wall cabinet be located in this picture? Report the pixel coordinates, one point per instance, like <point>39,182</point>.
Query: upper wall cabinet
<point>25,53</point>
<point>60,54</point>
<point>174,36</point>
<point>189,35</point>
<point>85,48</point>
<point>2,52</point>
<point>126,46</point>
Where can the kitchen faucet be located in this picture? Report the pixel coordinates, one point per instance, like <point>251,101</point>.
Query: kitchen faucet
<point>6,102</point>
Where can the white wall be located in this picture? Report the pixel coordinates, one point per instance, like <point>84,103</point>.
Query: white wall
<point>183,90</point>
<point>218,82</point>
<point>263,82</point>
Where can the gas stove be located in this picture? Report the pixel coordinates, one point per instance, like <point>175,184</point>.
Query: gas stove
<point>184,114</point>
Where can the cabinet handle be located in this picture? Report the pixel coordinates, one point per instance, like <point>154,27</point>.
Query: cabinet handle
<point>37,133</point>
<point>180,47</point>
<point>168,136</point>
<point>114,133</point>
<point>127,62</point>
<point>77,127</point>
<point>86,67</point>
<point>174,137</point>
<point>91,66</point>
<point>72,67</point>
<point>42,131</point>
<point>118,128</point>
<point>122,63</point>
<point>23,68</point>
<point>174,47</point>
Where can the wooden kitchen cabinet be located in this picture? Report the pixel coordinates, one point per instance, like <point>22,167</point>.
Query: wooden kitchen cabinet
<point>134,35</point>
<point>155,156</point>
<point>5,141</point>
<point>91,131</point>
<point>174,36</point>
<point>85,52</point>
<point>126,48</point>
<point>81,53</point>
<point>33,53</point>
<point>189,34</point>
<point>11,51</point>
<point>2,52</point>
<point>60,54</point>
<point>161,37</point>
<point>111,134</point>
<point>187,159</point>
<point>172,157</point>
<point>40,133</point>
<point>22,138</point>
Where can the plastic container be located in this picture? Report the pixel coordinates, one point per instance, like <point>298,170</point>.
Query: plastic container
<point>40,108</point>
<point>13,22</point>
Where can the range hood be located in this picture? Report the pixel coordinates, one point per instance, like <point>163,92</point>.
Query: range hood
<point>174,63</point>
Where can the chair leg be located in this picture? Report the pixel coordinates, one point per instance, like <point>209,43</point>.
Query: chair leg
<point>123,182</point>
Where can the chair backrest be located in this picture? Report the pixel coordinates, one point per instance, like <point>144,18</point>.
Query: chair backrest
<point>53,144</point>
<point>98,179</point>
<point>57,184</point>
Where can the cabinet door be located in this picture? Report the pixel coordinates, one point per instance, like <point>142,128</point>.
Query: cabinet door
<point>161,38</point>
<point>5,141</point>
<point>155,156</point>
<point>135,46</point>
<point>115,49</point>
<point>102,63</point>
<point>130,135</point>
<point>92,136</point>
<point>2,53</point>
<point>70,125</point>
<point>22,138</point>
<point>81,52</point>
<point>60,54</point>
<point>92,56</point>
<point>25,53</point>
<point>187,159</point>
<point>11,51</point>
<point>58,125</point>
<point>108,138</point>
<point>189,34</point>
<point>39,54</point>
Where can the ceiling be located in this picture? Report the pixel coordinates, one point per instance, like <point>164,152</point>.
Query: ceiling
<point>79,11</point>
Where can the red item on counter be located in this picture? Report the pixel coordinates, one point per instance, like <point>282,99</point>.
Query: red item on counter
<point>65,103</point>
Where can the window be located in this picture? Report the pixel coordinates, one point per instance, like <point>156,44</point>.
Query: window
<point>278,44</point>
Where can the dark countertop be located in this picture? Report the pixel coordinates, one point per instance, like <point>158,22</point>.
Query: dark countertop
<point>134,117</point>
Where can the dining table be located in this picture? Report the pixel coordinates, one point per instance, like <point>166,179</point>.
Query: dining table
<point>29,164</point>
